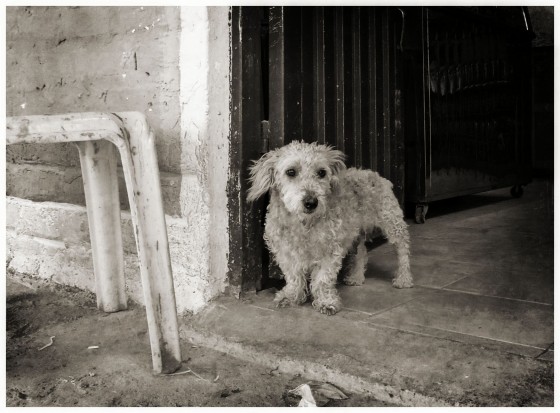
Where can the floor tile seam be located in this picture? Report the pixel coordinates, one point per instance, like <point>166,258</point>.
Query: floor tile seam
<point>461,224</point>
<point>482,337</point>
<point>453,282</point>
<point>407,330</point>
<point>446,288</point>
<point>374,314</point>
<point>262,307</point>
<point>493,296</point>
<point>404,330</point>
<point>546,350</point>
<point>447,218</point>
<point>536,239</point>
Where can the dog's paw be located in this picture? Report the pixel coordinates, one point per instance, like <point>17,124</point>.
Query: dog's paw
<point>283,303</point>
<point>403,282</point>
<point>329,309</point>
<point>354,280</point>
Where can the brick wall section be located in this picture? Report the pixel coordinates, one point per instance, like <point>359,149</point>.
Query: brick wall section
<point>78,59</point>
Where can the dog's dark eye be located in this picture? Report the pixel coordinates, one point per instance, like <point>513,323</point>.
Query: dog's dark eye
<point>321,173</point>
<point>291,172</point>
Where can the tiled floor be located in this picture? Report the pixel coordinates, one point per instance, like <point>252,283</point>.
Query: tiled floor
<point>477,328</point>
<point>484,273</point>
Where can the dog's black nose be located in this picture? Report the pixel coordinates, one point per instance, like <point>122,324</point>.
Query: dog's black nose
<point>310,203</point>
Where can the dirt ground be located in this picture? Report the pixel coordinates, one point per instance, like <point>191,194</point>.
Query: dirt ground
<point>118,372</point>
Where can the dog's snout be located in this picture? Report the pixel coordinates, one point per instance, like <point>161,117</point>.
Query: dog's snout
<point>310,203</point>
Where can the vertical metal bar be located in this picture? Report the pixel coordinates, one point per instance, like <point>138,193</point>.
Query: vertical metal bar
<point>398,164</point>
<point>374,109</point>
<point>292,75</point>
<point>319,74</point>
<point>330,76</point>
<point>245,258</point>
<point>357,86</point>
<point>277,110</point>
<point>348,52</point>
<point>339,76</point>
<point>426,164</point>
<point>276,77</point>
<point>252,114</point>
<point>306,17</point>
<point>235,203</point>
<point>388,96</point>
<point>388,87</point>
<point>365,85</point>
<point>98,161</point>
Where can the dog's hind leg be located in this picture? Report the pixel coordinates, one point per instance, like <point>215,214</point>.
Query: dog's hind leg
<point>403,279</point>
<point>390,220</point>
<point>355,263</point>
<point>396,231</point>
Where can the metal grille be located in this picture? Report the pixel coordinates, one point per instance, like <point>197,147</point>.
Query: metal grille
<point>334,77</point>
<point>467,108</point>
<point>473,97</point>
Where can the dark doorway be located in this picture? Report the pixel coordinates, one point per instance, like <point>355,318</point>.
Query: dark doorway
<point>362,80</point>
<point>326,74</point>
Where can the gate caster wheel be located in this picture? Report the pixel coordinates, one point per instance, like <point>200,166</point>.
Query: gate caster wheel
<point>420,214</point>
<point>516,191</point>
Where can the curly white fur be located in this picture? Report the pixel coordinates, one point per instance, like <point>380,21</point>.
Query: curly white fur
<point>310,242</point>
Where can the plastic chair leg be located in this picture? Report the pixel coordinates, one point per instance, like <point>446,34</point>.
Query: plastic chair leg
<point>98,161</point>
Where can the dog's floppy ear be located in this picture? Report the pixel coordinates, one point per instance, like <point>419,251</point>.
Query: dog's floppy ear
<point>336,160</point>
<point>336,164</point>
<point>261,175</point>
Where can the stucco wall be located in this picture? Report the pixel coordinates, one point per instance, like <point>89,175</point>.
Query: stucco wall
<point>72,59</point>
<point>204,100</point>
<point>171,63</point>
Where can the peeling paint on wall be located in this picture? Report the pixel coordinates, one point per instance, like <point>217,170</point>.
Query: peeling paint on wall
<point>205,132</point>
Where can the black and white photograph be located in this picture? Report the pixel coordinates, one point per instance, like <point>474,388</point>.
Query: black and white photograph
<point>274,206</point>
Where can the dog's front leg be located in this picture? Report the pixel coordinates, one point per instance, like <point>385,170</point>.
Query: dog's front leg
<point>295,290</point>
<point>323,287</point>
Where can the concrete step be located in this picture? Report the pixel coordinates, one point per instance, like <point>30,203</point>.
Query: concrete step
<point>391,362</point>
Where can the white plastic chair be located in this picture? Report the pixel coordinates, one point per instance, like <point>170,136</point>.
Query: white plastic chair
<point>97,135</point>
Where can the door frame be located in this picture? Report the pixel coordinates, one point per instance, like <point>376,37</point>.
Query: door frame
<point>245,260</point>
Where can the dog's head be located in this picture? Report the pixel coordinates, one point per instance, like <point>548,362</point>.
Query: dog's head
<point>304,175</point>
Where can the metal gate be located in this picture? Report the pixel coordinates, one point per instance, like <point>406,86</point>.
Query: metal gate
<point>335,77</point>
<point>468,101</point>
<point>326,74</point>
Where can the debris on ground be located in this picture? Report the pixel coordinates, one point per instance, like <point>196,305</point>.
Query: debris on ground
<point>50,343</point>
<point>315,393</point>
<point>188,371</point>
<point>227,392</point>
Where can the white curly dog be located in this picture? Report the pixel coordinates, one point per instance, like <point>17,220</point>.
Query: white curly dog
<point>319,212</point>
